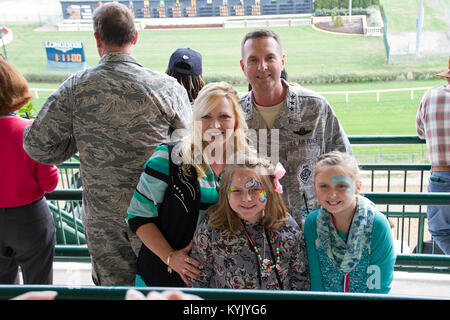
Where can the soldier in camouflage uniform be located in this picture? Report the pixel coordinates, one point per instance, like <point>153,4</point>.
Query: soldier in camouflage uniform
<point>300,124</point>
<point>114,115</point>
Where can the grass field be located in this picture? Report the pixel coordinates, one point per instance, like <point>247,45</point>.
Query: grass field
<point>402,14</point>
<point>308,52</point>
<point>394,114</point>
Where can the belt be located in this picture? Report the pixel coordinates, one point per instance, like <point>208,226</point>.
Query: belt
<point>440,168</point>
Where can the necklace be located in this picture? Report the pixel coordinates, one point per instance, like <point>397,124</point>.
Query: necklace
<point>6,115</point>
<point>266,264</point>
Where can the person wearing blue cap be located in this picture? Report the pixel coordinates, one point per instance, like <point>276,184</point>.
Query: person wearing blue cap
<point>185,65</point>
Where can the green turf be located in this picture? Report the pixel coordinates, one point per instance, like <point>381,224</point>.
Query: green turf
<point>393,114</point>
<point>308,51</point>
<point>402,14</point>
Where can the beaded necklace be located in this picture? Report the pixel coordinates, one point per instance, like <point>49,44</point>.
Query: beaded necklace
<point>264,262</point>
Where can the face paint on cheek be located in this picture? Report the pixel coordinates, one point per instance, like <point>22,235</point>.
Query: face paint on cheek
<point>262,195</point>
<point>347,181</point>
<point>229,191</point>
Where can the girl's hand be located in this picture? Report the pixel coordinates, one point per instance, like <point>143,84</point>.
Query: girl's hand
<point>184,265</point>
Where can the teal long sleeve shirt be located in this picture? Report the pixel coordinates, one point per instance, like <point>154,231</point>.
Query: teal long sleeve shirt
<point>381,248</point>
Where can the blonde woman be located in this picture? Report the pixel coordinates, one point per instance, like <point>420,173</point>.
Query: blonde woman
<point>180,181</point>
<point>248,240</point>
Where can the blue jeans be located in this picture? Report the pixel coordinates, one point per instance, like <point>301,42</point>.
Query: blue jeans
<point>439,216</point>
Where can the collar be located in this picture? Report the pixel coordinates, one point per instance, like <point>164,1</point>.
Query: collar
<point>249,105</point>
<point>119,57</point>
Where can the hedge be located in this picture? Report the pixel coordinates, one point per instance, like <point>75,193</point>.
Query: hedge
<point>330,4</point>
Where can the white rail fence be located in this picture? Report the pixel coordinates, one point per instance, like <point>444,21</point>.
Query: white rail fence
<point>377,91</point>
<point>346,93</point>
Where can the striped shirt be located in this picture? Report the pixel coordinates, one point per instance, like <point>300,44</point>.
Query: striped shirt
<point>433,124</point>
<point>150,191</point>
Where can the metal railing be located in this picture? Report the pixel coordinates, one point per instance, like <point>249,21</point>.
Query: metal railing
<point>405,209</point>
<point>411,262</point>
<point>263,296</point>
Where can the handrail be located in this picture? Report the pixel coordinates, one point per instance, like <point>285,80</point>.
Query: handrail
<point>398,139</point>
<point>65,194</point>
<point>81,254</point>
<point>72,253</point>
<point>406,198</point>
<point>118,293</point>
<point>395,167</point>
<point>409,198</point>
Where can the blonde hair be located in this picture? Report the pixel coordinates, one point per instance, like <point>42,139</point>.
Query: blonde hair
<point>209,98</point>
<point>344,161</point>
<point>14,91</point>
<point>221,214</point>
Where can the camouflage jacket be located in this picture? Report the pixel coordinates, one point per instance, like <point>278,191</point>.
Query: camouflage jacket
<point>114,114</point>
<point>304,130</point>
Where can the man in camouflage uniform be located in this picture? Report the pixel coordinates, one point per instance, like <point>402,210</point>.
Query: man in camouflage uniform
<point>299,121</point>
<point>114,115</point>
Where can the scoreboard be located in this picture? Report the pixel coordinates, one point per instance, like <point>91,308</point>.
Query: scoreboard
<point>65,56</point>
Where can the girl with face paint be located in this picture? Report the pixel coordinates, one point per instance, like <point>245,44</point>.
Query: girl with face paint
<point>349,243</point>
<point>248,239</point>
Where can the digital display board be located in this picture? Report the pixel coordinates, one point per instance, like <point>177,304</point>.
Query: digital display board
<point>65,56</point>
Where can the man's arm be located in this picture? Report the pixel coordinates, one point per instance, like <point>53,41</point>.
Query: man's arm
<point>420,117</point>
<point>50,139</point>
<point>336,138</point>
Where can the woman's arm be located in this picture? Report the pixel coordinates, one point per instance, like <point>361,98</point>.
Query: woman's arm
<point>179,261</point>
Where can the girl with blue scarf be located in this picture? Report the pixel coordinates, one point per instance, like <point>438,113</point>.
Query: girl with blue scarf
<point>348,240</point>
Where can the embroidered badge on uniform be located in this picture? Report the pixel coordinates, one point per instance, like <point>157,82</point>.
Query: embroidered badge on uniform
<point>305,173</point>
<point>302,131</point>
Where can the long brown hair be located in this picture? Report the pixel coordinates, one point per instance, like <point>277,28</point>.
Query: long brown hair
<point>221,214</point>
<point>14,91</point>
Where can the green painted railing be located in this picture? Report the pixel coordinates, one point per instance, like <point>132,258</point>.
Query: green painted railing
<point>428,263</point>
<point>412,262</point>
<point>70,230</point>
<point>118,293</point>
<point>406,139</point>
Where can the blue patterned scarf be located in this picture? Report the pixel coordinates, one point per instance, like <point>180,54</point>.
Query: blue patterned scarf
<point>346,255</point>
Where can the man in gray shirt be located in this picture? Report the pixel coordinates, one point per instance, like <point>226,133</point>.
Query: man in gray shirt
<point>114,115</point>
<point>299,121</point>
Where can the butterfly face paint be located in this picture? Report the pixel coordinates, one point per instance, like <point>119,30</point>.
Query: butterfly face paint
<point>253,187</point>
<point>246,196</point>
